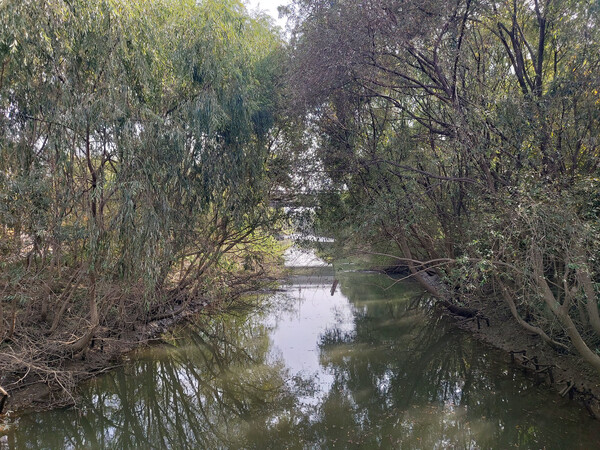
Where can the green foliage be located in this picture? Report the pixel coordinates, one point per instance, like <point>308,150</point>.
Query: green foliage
<point>133,135</point>
<point>463,132</point>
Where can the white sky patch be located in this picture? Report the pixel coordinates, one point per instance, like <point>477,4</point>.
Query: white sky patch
<point>270,7</point>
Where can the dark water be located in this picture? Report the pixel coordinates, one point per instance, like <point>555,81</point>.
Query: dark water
<point>362,368</point>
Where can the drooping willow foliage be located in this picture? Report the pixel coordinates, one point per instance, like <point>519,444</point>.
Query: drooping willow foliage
<point>134,148</point>
<point>465,133</point>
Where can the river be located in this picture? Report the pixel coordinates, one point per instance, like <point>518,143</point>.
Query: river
<point>364,366</point>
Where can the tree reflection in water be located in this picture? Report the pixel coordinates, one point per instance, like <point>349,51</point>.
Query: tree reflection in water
<point>217,388</point>
<point>397,378</point>
<point>403,379</point>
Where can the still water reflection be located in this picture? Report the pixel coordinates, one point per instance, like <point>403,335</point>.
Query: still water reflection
<point>362,368</point>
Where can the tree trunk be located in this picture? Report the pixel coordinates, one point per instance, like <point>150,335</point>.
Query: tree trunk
<point>531,328</point>
<point>413,270</point>
<point>71,291</point>
<point>591,303</point>
<point>83,342</point>
<point>562,314</point>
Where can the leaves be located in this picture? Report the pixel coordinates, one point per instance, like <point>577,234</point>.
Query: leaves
<point>130,128</point>
<point>466,130</point>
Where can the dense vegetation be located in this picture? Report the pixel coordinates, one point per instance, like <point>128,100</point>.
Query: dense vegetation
<point>135,146</point>
<point>142,143</point>
<point>463,136</point>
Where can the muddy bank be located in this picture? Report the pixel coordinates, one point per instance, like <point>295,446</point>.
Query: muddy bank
<point>491,321</point>
<point>104,354</point>
<point>566,373</point>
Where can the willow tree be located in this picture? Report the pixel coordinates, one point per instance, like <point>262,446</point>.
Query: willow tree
<point>134,149</point>
<point>466,133</point>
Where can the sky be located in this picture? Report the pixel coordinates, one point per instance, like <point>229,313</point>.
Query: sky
<point>270,7</point>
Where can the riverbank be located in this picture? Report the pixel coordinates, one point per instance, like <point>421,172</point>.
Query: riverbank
<point>106,352</point>
<point>104,355</point>
<point>567,374</point>
<point>527,351</point>
<point>363,368</point>
<point>490,320</point>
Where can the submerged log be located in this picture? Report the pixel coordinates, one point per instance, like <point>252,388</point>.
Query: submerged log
<point>461,310</point>
<point>468,313</point>
<point>334,287</point>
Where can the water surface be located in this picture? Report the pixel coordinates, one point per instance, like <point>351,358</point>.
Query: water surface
<point>362,367</point>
